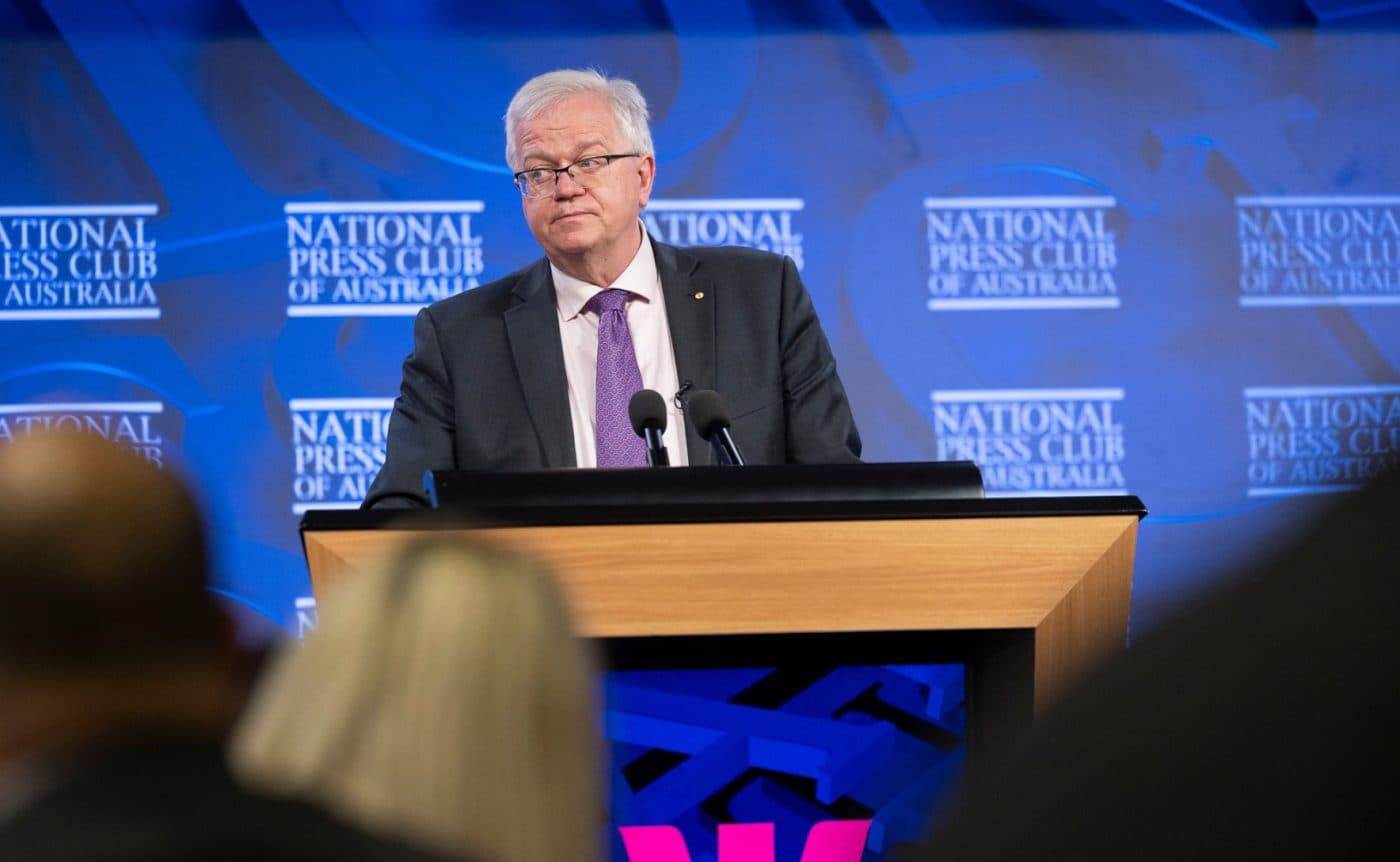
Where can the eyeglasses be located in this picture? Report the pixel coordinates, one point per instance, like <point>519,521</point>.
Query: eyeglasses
<point>538,182</point>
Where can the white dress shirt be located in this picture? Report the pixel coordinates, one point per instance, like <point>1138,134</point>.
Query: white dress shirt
<point>651,338</point>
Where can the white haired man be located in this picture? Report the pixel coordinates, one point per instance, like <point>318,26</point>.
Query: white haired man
<point>535,370</point>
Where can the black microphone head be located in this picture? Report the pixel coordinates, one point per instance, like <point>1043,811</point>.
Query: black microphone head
<point>707,412</point>
<point>647,409</point>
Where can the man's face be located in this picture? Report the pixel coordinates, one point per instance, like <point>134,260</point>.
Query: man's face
<point>597,223</point>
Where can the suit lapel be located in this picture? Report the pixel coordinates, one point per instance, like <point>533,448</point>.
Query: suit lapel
<point>690,310</point>
<point>532,326</point>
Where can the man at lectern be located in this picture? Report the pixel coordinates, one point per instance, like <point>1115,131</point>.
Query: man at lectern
<point>536,370</point>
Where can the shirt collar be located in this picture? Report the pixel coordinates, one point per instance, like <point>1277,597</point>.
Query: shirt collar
<point>640,278</point>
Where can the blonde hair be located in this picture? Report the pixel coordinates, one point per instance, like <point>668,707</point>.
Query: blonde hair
<point>445,699</point>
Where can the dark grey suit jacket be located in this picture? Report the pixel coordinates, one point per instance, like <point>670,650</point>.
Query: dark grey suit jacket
<point>485,386</point>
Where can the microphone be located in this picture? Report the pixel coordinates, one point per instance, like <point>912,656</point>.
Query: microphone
<point>711,418</point>
<point>647,410</point>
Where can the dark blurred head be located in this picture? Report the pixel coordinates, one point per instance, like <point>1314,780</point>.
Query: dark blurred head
<point>103,564</point>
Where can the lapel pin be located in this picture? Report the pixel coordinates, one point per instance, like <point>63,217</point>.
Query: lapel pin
<point>699,294</point>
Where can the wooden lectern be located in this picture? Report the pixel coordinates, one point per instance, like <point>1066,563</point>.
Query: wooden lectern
<point>845,564</point>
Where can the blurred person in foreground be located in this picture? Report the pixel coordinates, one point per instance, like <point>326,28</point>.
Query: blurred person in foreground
<point>445,698</point>
<point>118,676</point>
<point>1260,724</point>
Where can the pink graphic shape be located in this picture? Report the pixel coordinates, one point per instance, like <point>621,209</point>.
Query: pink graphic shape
<point>654,844</point>
<point>829,841</point>
<point>836,841</point>
<point>746,842</point>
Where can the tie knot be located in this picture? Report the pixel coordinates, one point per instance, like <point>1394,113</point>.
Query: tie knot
<point>612,299</point>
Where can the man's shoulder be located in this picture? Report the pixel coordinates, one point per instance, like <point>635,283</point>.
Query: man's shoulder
<point>491,298</point>
<point>723,256</point>
<point>757,273</point>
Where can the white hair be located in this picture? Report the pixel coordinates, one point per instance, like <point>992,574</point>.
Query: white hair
<point>542,92</point>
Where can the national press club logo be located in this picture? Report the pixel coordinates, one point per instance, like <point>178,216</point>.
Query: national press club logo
<point>1035,442</point>
<point>338,446</point>
<point>762,223</point>
<point>379,258</point>
<point>1319,250</point>
<point>1003,253</point>
<point>307,616</point>
<point>1320,439</point>
<point>80,262</point>
<point>134,424</point>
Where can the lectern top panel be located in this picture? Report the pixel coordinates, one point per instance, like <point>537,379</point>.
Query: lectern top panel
<point>879,491</point>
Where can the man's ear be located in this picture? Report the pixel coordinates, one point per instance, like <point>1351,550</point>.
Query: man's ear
<point>646,173</point>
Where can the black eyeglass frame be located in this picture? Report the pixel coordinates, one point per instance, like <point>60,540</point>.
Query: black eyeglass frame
<point>607,159</point>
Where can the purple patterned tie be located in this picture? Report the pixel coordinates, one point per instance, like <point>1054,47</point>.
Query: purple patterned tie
<point>619,379</point>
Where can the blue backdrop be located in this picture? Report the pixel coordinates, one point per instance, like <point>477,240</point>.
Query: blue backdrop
<point>1098,246</point>
<point>1112,246</point>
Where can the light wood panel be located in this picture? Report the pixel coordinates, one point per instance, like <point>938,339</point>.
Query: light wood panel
<point>1088,625</point>
<point>822,576</point>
